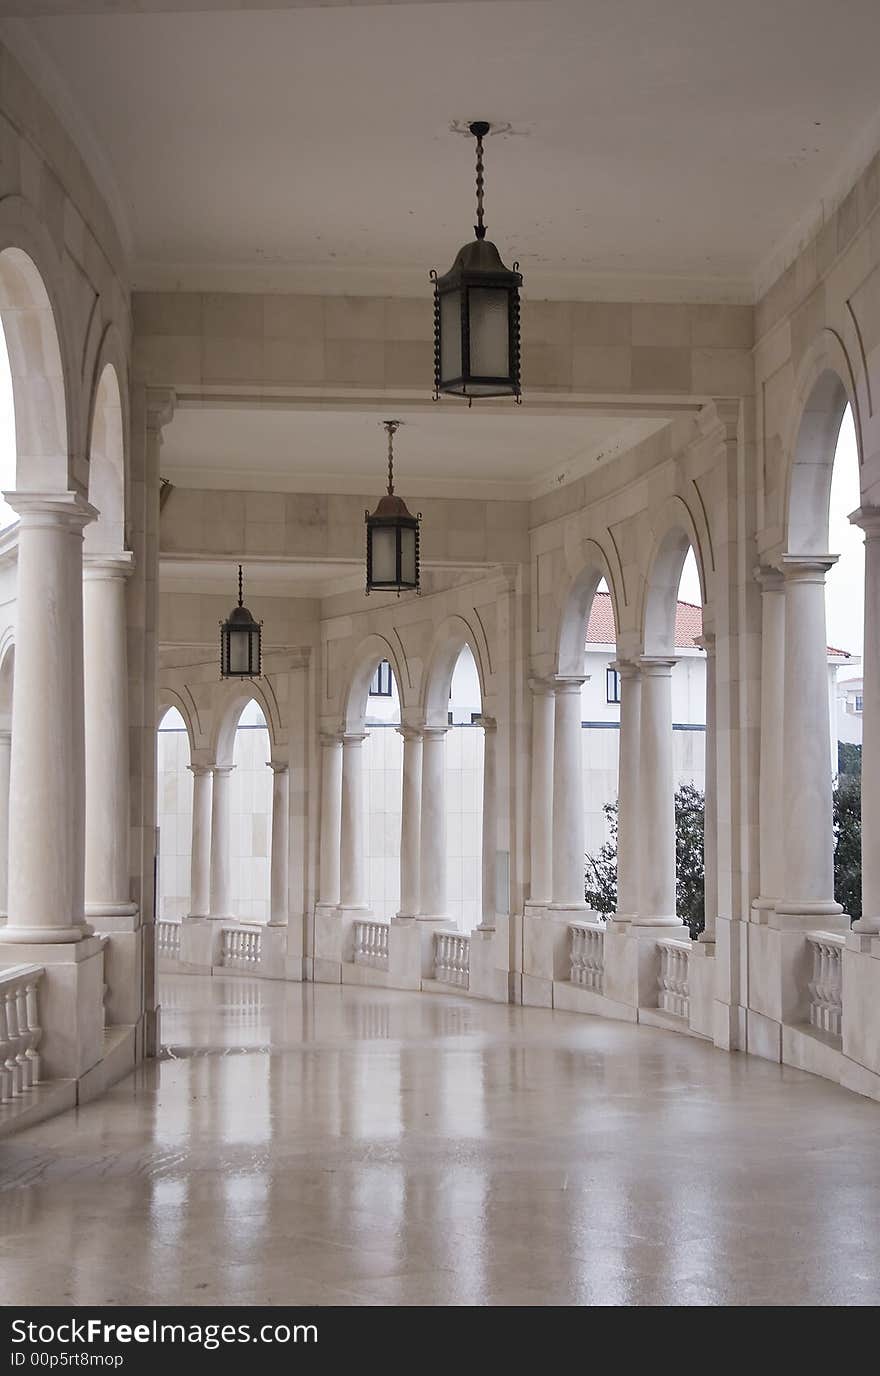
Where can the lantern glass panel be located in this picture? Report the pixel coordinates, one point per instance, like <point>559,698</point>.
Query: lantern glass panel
<point>450,336</point>
<point>489,332</point>
<point>239,652</point>
<point>408,556</point>
<point>384,562</point>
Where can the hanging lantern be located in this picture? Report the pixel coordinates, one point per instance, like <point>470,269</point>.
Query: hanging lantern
<point>240,642</point>
<point>392,537</point>
<point>476,314</point>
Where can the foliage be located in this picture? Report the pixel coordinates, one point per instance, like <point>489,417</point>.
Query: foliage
<point>600,880</point>
<point>847,820</point>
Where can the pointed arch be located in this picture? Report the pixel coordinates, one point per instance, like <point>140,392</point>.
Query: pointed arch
<point>169,698</point>
<point>575,612</point>
<point>107,459</point>
<point>449,640</point>
<point>675,534</point>
<point>229,709</point>
<point>370,652</point>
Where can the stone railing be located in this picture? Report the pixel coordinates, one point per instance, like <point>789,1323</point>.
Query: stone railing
<point>241,948</point>
<point>672,981</point>
<point>587,955</point>
<point>371,944</point>
<point>826,984</point>
<point>20,1030</point>
<point>168,939</point>
<point>452,958</point>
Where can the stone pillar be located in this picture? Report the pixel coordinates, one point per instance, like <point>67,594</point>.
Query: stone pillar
<point>352,870</point>
<point>279,878</point>
<point>541,799</point>
<point>47,767</point>
<point>772,715</point>
<point>5,753</point>
<point>108,806</point>
<point>808,884</point>
<point>490,822</point>
<point>869,520</point>
<point>433,828</point>
<point>221,842</point>
<point>410,822</point>
<point>200,854</point>
<point>657,907</point>
<point>568,797</point>
<point>628,822</point>
<point>710,814</point>
<point>331,820</point>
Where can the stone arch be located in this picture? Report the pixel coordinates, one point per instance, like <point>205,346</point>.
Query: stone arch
<point>369,653</point>
<point>231,706</point>
<point>107,463</point>
<point>7,675</point>
<point>677,534</point>
<point>576,605</point>
<point>44,400</point>
<point>168,698</point>
<point>449,640</point>
<point>825,386</point>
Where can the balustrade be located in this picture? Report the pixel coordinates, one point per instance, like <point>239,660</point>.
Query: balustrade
<point>826,985</point>
<point>672,982</point>
<point>20,1030</point>
<point>587,955</point>
<point>168,939</point>
<point>371,944</point>
<point>241,948</point>
<point>452,958</point>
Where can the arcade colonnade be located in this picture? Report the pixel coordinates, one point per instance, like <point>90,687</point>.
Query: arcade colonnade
<point>748,401</point>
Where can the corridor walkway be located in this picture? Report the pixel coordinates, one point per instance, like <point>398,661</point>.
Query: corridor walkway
<point>396,1148</point>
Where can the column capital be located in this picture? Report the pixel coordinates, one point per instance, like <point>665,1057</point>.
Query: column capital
<point>199,771</point>
<point>108,566</point>
<point>541,687</point>
<point>769,577</point>
<point>434,733</point>
<point>488,724</point>
<point>354,737</point>
<point>706,642</point>
<point>222,768</point>
<point>68,509</point>
<point>410,733</point>
<point>657,666</point>
<point>564,683</point>
<point>278,766</point>
<point>868,519</point>
<point>627,668</point>
<point>806,568</point>
<point>330,738</point>
<point>160,405</point>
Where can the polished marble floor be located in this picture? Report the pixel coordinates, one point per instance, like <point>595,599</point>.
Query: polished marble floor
<point>320,1145</point>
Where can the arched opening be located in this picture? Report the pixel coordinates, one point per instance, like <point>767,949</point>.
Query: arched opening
<point>7,434</point>
<point>7,673</point>
<point>251,806</point>
<point>106,535</point>
<point>464,794</point>
<point>37,376</point>
<point>174,815</point>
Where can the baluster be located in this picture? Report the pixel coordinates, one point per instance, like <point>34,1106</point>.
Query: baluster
<point>24,1034</point>
<point>12,1061</point>
<point>7,1077</point>
<point>35,1031</point>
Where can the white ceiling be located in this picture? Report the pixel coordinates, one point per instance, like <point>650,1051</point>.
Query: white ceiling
<point>672,143</point>
<point>509,454</point>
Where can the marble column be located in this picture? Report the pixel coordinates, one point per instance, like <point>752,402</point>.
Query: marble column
<point>657,906</point>
<point>47,767</point>
<point>410,822</point>
<point>541,798</point>
<point>869,520</point>
<point>808,878</point>
<point>770,849</point>
<point>433,826</point>
<point>490,822</point>
<point>5,754</point>
<point>628,847</point>
<point>352,862</point>
<point>331,820</point>
<point>710,793</point>
<point>200,853</point>
<point>105,669</point>
<point>221,842</point>
<point>279,868</point>
<point>568,796</point>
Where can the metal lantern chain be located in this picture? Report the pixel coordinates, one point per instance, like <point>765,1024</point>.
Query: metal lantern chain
<point>392,426</point>
<point>479,129</point>
<point>240,588</point>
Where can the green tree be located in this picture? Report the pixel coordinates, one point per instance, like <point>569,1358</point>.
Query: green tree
<point>600,878</point>
<point>847,821</point>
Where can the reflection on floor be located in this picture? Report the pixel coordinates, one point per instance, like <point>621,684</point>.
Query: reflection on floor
<point>416,1149</point>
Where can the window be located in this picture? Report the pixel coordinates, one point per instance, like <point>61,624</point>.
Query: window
<point>612,685</point>
<point>380,686</point>
<point>858,702</point>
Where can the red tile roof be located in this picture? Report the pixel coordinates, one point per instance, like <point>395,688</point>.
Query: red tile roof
<point>600,629</point>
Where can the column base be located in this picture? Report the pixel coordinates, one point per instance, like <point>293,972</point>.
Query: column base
<point>796,907</point>
<point>40,936</point>
<point>867,926</point>
<point>96,913</point>
<point>651,924</point>
<point>121,917</point>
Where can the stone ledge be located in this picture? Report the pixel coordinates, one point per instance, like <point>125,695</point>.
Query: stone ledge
<point>36,1104</point>
<point>655,1017</point>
